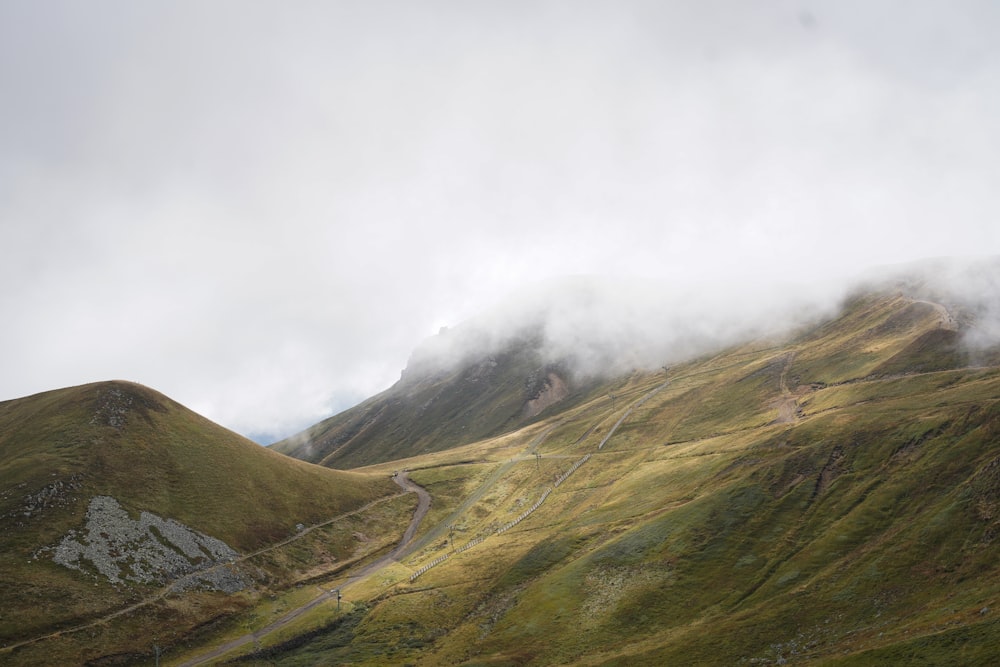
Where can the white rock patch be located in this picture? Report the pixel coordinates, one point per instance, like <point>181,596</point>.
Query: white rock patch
<point>149,550</point>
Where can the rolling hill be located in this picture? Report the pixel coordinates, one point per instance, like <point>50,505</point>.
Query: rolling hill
<point>111,493</point>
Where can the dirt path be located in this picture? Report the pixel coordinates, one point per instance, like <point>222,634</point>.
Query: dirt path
<point>423,505</point>
<point>788,404</point>
<point>945,320</point>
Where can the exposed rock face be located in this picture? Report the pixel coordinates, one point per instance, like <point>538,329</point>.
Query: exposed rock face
<point>56,494</point>
<point>118,402</point>
<point>148,550</point>
<point>551,391</point>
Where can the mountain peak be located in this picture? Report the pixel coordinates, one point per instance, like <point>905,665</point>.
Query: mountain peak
<point>117,401</point>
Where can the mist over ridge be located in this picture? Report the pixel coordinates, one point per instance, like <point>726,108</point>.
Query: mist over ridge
<point>269,218</point>
<point>969,288</point>
<point>602,326</point>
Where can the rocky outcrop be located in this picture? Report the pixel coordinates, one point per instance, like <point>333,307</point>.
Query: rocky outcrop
<point>149,550</point>
<point>119,401</point>
<point>552,390</point>
<point>57,494</point>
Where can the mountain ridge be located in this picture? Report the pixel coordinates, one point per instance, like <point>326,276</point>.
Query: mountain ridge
<point>826,497</point>
<point>468,379</point>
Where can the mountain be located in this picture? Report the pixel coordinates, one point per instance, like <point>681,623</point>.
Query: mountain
<point>828,497</point>
<point>823,493</point>
<point>111,493</point>
<point>439,403</point>
<point>539,352</point>
<point>545,349</point>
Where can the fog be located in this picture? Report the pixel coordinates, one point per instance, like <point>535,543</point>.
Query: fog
<point>602,326</point>
<point>262,208</point>
<point>968,287</point>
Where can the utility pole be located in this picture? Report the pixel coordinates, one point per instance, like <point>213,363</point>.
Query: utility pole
<point>613,397</point>
<point>538,458</point>
<point>337,591</point>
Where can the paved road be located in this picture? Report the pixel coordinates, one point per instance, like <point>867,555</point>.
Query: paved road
<point>423,504</point>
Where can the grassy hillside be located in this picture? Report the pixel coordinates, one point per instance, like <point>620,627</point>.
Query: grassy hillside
<point>61,449</point>
<point>831,499</point>
<point>429,411</point>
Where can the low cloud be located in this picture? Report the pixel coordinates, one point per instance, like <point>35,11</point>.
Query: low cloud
<point>968,287</point>
<point>604,326</point>
<point>260,209</point>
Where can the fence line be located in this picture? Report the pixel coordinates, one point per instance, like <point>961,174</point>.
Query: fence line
<point>436,561</point>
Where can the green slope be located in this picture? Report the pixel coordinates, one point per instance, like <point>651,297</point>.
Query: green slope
<point>832,499</point>
<point>429,411</point>
<point>61,449</point>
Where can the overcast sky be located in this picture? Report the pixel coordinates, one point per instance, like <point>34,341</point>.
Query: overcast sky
<point>261,208</point>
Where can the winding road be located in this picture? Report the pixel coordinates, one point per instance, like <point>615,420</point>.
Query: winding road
<point>423,505</point>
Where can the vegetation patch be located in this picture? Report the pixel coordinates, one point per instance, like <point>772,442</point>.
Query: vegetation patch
<point>328,641</point>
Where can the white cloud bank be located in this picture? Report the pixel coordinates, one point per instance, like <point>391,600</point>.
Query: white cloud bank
<point>260,208</point>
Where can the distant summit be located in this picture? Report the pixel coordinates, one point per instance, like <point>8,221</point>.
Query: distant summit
<point>449,394</point>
